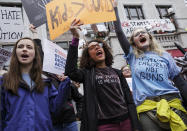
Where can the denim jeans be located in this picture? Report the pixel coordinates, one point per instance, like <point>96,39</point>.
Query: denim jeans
<point>67,127</point>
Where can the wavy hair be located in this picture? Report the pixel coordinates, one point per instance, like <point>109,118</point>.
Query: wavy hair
<point>87,62</point>
<point>12,78</point>
<point>153,46</point>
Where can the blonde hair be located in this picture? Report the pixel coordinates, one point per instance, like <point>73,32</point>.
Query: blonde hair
<point>153,46</point>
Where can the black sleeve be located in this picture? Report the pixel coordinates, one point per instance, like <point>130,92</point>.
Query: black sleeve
<point>71,69</point>
<point>181,84</point>
<point>132,111</point>
<point>130,105</point>
<point>3,110</point>
<point>78,98</point>
<point>39,45</point>
<point>125,45</point>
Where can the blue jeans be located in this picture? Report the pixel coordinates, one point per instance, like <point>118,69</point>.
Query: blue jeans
<point>67,127</point>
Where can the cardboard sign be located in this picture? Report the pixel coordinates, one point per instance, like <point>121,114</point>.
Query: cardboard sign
<point>4,56</point>
<point>60,14</point>
<point>153,25</point>
<point>36,11</point>
<point>11,24</point>
<point>54,58</point>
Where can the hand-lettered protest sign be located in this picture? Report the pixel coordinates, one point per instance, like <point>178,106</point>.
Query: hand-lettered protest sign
<point>153,25</point>
<point>35,10</point>
<point>60,13</point>
<point>4,56</point>
<point>54,58</point>
<point>11,24</point>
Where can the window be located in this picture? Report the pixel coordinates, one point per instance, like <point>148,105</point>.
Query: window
<point>163,11</point>
<point>134,12</point>
<point>10,4</point>
<point>63,44</point>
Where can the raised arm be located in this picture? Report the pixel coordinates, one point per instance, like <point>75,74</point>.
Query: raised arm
<point>71,69</point>
<point>37,40</point>
<point>125,45</point>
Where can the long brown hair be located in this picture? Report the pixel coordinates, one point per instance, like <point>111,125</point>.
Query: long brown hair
<point>13,77</point>
<point>87,62</point>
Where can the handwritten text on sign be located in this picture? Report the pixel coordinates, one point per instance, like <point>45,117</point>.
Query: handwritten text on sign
<point>60,13</point>
<point>11,24</point>
<point>153,24</point>
<point>54,58</point>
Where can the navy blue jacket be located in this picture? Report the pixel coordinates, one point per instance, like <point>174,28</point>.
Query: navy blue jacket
<point>31,111</point>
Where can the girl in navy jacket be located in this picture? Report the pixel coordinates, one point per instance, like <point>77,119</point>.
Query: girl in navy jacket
<point>26,99</point>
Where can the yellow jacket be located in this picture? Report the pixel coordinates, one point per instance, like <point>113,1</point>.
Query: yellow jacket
<point>164,113</point>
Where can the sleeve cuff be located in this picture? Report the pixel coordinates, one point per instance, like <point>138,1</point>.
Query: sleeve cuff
<point>75,42</point>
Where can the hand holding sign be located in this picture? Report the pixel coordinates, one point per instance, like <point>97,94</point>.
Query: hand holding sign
<point>34,31</point>
<point>74,26</point>
<point>32,28</point>
<point>61,77</point>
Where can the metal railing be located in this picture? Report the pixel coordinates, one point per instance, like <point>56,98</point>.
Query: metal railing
<point>167,40</point>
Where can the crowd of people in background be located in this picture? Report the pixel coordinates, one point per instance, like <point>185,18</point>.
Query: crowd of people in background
<point>147,94</point>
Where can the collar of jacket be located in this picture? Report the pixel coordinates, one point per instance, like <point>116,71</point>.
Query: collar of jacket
<point>24,85</point>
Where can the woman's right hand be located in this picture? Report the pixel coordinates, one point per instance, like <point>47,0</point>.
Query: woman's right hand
<point>75,25</point>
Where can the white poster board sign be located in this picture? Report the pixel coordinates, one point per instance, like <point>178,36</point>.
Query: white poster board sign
<point>54,58</point>
<point>11,24</point>
<point>101,28</point>
<point>153,24</point>
<point>129,82</point>
<point>4,56</point>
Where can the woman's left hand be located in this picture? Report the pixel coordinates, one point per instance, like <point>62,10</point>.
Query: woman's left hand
<point>75,25</point>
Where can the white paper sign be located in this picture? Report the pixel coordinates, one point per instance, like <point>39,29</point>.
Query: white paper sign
<point>129,81</point>
<point>54,58</point>
<point>101,28</point>
<point>153,24</point>
<point>4,56</point>
<point>11,24</point>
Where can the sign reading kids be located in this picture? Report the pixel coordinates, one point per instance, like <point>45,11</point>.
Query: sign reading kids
<point>54,58</point>
<point>60,13</point>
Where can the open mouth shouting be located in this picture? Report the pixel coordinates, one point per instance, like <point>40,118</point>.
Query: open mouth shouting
<point>142,40</point>
<point>99,53</point>
<point>24,56</point>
